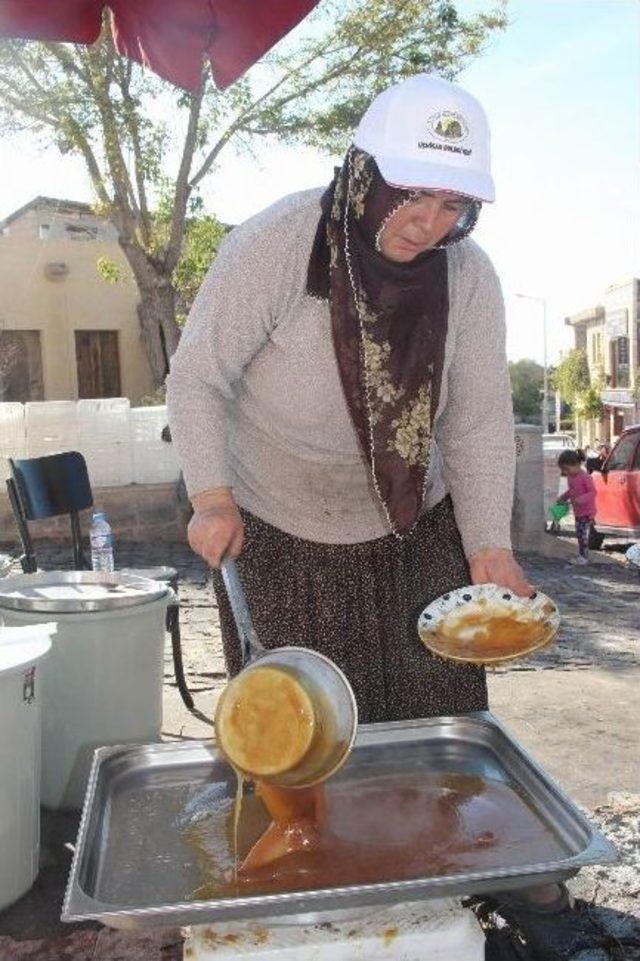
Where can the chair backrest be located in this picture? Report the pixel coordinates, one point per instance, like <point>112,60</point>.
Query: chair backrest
<point>52,485</point>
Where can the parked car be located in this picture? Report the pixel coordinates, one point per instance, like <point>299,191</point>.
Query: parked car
<point>618,487</point>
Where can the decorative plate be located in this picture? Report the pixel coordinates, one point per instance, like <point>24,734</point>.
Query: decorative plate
<point>487,624</point>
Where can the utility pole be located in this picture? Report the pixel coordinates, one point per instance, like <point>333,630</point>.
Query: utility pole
<point>545,386</point>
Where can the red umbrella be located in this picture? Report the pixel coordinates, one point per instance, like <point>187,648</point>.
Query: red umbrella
<point>170,36</point>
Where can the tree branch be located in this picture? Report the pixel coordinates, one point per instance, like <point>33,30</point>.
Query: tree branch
<point>22,66</point>
<point>93,167</point>
<point>123,77</point>
<point>183,187</point>
<point>17,101</point>
<point>249,115</point>
<point>124,196</point>
<point>246,115</point>
<point>66,61</point>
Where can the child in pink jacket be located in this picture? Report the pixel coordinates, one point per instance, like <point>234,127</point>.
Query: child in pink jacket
<point>582,495</point>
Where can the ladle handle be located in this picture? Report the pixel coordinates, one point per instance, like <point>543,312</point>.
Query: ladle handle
<point>251,646</point>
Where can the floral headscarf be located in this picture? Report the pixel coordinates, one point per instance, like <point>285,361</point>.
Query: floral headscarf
<point>389,324</point>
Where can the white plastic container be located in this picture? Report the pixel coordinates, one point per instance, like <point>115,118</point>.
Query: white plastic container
<point>20,736</point>
<point>440,930</point>
<point>102,683</point>
<point>154,460</point>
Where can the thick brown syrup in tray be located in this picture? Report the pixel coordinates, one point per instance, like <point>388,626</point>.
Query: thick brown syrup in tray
<point>382,829</point>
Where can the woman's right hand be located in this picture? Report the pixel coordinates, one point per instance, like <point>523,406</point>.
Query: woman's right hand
<point>216,527</point>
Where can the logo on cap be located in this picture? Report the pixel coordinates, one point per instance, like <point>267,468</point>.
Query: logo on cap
<point>448,126</point>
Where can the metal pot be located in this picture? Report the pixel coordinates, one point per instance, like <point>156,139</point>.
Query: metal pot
<point>333,701</point>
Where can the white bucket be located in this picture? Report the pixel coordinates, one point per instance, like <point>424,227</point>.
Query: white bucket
<point>20,707</point>
<point>102,685</point>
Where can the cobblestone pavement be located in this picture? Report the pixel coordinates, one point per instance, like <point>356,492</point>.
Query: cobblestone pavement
<point>599,604</point>
<point>600,610</point>
<point>599,633</point>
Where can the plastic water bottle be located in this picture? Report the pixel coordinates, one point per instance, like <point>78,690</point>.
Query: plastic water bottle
<point>101,540</point>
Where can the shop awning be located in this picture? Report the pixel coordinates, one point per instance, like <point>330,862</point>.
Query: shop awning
<point>169,36</point>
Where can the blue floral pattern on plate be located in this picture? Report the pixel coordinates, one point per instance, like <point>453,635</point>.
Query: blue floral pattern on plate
<point>539,607</point>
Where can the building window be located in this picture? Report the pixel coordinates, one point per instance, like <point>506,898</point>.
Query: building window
<point>98,363</point>
<point>43,231</point>
<point>623,350</point>
<point>5,231</point>
<point>20,366</point>
<point>620,362</point>
<point>596,348</point>
<point>80,232</point>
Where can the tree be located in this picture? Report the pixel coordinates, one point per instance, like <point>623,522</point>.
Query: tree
<point>131,128</point>
<point>202,238</point>
<point>571,377</point>
<point>588,404</point>
<point>576,385</point>
<point>527,379</point>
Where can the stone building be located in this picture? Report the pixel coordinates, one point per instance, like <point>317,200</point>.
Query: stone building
<point>65,332</point>
<point>610,335</point>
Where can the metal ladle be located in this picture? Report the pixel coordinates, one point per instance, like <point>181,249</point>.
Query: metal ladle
<point>334,703</point>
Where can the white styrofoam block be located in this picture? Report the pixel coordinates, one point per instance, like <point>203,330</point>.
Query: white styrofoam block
<point>12,435</point>
<point>50,412</point>
<point>51,426</point>
<point>109,465</point>
<point>15,451</point>
<point>104,405</point>
<point>440,930</point>
<point>154,460</point>
<point>104,440</point>
<point>147,422</point>
<point>11,425</point>
<point>103,419</point>
<point>5,470</point>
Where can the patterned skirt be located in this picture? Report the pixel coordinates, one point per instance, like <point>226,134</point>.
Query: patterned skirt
<point>359,604</point>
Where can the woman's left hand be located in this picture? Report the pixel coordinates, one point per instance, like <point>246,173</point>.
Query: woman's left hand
<point>499,566</point>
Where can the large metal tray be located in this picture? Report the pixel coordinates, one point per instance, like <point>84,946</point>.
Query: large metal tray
<point>132,867</point>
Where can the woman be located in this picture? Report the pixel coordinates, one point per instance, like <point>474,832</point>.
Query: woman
<point>338,383</point>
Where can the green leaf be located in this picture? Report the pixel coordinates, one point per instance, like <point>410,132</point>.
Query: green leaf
<point>109,270</point>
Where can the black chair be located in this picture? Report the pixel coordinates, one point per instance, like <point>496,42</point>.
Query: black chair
<point>42,487</point>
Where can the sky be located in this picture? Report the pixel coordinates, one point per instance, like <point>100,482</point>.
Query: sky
<point>561,87</point>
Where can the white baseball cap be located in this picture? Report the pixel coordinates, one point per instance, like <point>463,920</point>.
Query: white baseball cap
<point>429,133</point>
